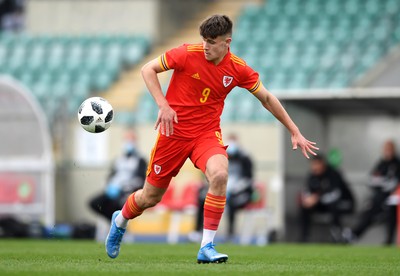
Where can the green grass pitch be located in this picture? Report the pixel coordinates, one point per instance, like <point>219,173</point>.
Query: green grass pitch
<point>58,257</point>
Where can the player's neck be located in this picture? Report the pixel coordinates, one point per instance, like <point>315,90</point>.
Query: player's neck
<point>220,59</point>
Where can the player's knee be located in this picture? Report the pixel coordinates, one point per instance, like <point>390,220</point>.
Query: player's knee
<point>219,178</point>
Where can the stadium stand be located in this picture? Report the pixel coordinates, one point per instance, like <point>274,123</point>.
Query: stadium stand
<point>57,67</point>
<point>310,44</point>
<point>316,44</point>
<point>295,45</point>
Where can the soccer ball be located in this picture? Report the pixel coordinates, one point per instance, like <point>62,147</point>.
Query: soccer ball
<point>95,114</point>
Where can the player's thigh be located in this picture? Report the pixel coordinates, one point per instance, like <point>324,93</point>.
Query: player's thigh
<point>167,158</point>
<point>209,148</point>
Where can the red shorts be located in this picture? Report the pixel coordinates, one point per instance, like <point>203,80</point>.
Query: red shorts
<point>169,155</point>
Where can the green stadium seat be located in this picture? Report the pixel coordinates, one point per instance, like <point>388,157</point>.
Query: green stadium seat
<point>56,53</point>
<point>80,90</point>
<point>319,80</point>
<point>273,9</point>
<point>134,50</point>
<point>41,90</point>
<point>392,7</point>
<point>372,7</point>
<point>396,35</point>
<point>147,109</point>
<point>313,35</point>
<point>296,44</point>
<point>60,91</point>
<point>125,118</point>
<point>57,68</point>
<point>3,51</point>
<point>114,51</point>
<point>298,80</point>
<point>83,78</point>
<point>251,12</point>
<point>27,78</point>
<point>102,80</point>
<point>228,115</point>
<point>245,107</point>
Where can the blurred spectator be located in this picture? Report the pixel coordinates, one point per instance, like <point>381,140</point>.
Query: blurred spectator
<point>12,15</point>
<point>240,181</point>
<point>326,191</point>
<point>239,188</point>
<point>196,235</point>
<point>384,180</point>
<point>126,176</point>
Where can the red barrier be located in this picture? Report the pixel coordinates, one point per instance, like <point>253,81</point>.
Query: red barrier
<point>16,188</point>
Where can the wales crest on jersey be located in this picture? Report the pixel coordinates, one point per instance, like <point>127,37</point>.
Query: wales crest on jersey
<point>227,80</point>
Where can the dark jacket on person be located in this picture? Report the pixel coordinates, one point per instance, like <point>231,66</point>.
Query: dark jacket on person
<point>332,189</point>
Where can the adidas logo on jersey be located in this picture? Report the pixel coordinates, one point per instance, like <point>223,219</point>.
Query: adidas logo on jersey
<point>196,76</point>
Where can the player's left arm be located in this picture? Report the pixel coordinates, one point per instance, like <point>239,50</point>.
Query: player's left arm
<point>273,105</point>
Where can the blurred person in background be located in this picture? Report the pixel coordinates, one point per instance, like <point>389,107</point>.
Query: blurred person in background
<point>325,191</point>
<point>239,188</point>
<point>12,15</point>
<point>384,180</point>
<point>189,127</point>
<point>127,175</point>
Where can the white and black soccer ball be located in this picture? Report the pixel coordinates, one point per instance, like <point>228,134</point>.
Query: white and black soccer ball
<point>95,114</point>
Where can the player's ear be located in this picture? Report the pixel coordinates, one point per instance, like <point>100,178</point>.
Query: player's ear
<point>228,40</point>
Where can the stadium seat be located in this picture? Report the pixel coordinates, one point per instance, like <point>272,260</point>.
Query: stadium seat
<point>147,109</point>
<point>178,202</point>
<point>27,78</point>
<point>56,67</point>
<point>311,36</point>
<point>228,115</point>
<point>256,210</point>
<point>102,80</point>
<point>134,50</point>
<point>316,36</point>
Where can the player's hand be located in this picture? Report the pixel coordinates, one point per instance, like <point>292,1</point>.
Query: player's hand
<point>166,119</point>
<point>306,146</point>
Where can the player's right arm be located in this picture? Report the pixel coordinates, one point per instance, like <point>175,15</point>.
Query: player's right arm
<point>166,115</point>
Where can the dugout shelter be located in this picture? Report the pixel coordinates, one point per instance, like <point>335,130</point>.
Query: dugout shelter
<point>26,163</point>
<point>355,123</point>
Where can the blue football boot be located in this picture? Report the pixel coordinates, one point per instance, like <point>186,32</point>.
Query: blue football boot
<point>208,254</point>
<point>114,237</point>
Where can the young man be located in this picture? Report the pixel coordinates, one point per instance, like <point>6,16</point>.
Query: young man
<point>385,178</point>
<point>189,122</point>
<point>127,175</point>
<point>325,191</point>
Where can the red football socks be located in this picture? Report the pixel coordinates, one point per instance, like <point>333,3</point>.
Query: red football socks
<point>213,209</point>
<point>131,209</point>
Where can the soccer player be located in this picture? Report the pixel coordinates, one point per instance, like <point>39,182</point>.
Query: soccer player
<point>189,127</point>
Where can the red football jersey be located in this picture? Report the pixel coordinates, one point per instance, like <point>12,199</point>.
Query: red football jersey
<point>198,87</point>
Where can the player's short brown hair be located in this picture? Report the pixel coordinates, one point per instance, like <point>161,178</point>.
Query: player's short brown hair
<point>216,25</point>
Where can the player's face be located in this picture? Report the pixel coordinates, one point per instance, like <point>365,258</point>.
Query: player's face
<point>389,150</point>
<point>215,49</point>
<point>318,167</point>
